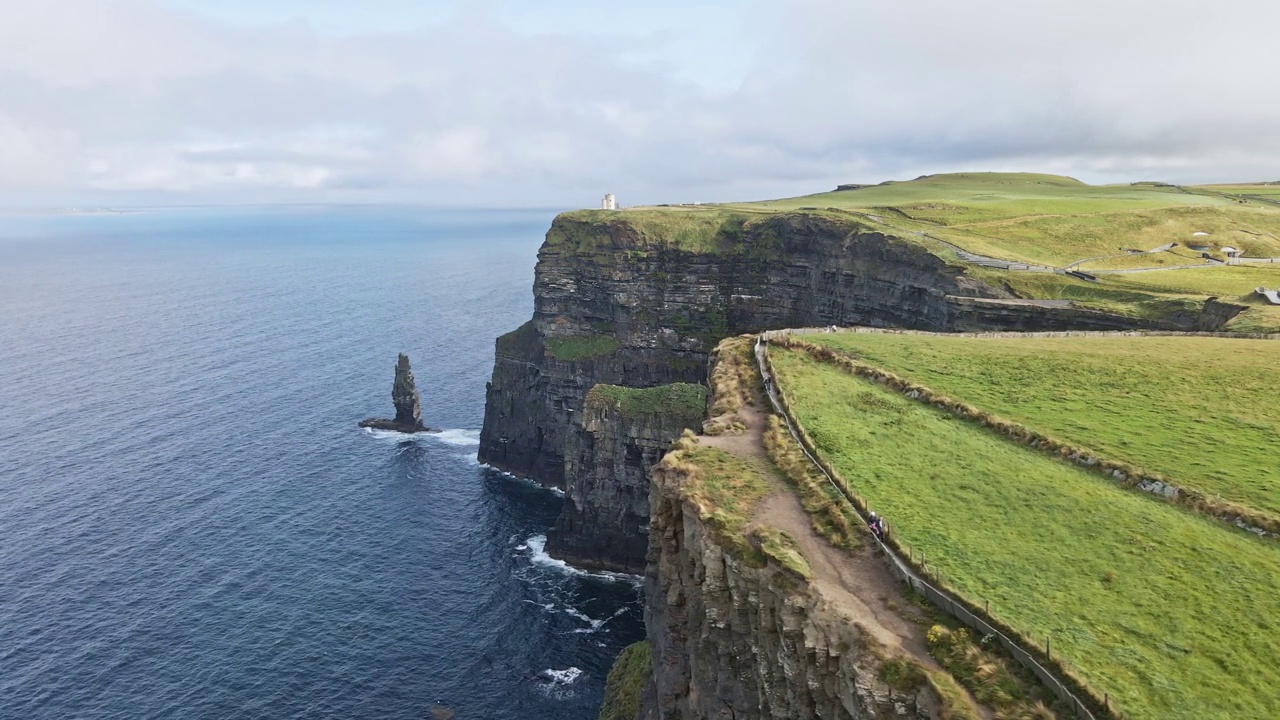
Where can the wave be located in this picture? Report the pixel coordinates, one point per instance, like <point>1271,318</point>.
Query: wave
<point>517,478</point>
<point>457,437</point>
<point>556,683</point>
<point>537,548</point>
<point>562,677</point>
<point>594,624</point>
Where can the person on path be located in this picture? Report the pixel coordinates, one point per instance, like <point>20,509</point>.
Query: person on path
<point>877,525</point>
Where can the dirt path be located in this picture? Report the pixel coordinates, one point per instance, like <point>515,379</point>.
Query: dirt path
<point>858,585</point>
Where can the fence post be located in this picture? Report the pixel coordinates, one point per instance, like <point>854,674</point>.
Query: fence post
<point>986,608</point>
<point>1047,653</point>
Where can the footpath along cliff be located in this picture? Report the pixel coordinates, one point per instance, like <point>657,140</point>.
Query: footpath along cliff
<point>638,298</point>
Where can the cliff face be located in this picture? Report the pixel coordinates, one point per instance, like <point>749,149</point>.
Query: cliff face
<point>621,434</point>
<point>620,304</point>
<point>730,640</point>
<point>613,307</point>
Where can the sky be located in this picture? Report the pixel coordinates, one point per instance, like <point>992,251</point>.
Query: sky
<point>512,103</point>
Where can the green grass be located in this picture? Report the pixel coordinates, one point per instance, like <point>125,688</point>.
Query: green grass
<point>1172,614</point>
<point>684,402</point>
<point>782,548</point>
<point>626,680</point>
<point>581,347</point>
<point>1203,411</point>
<point>1060,239</point>
<point>1022,217</point>
<point>968,197</point>
<point>699,229</point>
<point>1233,282</point>
<point>725,488</point>
<point>1051,220</point>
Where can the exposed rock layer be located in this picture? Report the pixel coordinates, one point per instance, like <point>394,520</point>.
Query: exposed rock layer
<point>733,641</point>
<point>615,307</point>
<point>609,454</point>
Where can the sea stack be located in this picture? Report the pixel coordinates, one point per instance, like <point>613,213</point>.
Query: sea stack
<point>404,393</point>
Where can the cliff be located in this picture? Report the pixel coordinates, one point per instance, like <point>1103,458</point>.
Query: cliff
<point>738,626</point>
<point>622,433</point>
<point>614,305</point>
<point>638,299</point>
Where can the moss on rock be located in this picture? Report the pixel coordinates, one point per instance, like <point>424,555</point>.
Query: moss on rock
<point>626,679</point>
<point>683,402</point>
<point>576,348</point>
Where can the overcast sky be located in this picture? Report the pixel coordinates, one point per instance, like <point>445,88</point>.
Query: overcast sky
<point>555,102</point>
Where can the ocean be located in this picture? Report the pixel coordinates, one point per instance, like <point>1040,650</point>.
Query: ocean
<point>193,525</point>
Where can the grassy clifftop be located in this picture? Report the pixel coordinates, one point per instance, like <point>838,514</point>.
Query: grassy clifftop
<point>1197,409</point>
<point>1044,220</point>
<point>1170,612</point>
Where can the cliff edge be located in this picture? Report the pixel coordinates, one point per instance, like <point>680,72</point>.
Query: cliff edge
<point>638,298</point>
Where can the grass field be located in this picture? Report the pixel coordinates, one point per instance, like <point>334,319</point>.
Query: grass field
<point>1203,411</point>
<point>1236,282</point>
<point>1172,614</point>
<point>1020,217</point>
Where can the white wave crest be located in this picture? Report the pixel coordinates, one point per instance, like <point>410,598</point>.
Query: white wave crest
<point>562,677</point>
<point>594,624</point>
<point>390,434</point>
<point>457,437</point>
<point>538,555</point>
<point>556,683</point>
<point>517,478</point>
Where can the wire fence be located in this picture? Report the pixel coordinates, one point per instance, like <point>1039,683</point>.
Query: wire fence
<point>908,574</point>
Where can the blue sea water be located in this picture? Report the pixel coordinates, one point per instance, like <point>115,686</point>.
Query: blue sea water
<point>191,523</point>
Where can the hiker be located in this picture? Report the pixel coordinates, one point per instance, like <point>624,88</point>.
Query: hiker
<point>877,525</point>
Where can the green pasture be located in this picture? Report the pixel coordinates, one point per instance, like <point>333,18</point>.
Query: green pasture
<point>1067,237</point>
<point>1021,217</point>
<point>1204,411</point>
<point>1229,282</point>
<point>1174,615</point>
<point>968,197</point>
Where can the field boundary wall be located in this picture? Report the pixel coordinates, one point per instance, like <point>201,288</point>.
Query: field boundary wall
<point>1084,703</point>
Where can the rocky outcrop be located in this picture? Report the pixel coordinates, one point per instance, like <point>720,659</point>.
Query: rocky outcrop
<point>609,453</point>
<point>404,394</point>
<point>731,640</point>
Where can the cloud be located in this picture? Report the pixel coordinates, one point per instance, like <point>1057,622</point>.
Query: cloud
<point>1111,87</point>
<point>118,96</point>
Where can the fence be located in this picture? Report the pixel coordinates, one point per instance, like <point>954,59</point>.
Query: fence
<point>904,571</point>
<point>1252,260</point>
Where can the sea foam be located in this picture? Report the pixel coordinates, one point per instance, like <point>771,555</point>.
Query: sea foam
<point>537,548</point>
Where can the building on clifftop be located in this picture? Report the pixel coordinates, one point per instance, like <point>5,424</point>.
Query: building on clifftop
<point>609,202</point>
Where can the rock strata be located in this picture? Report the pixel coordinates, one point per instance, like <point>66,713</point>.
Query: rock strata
<point>730,640</point>
<point>609,455</point>
<point>404,394</point>
<point>614,306</point>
